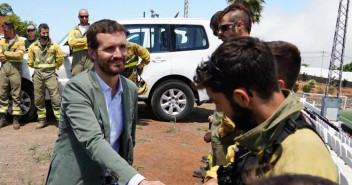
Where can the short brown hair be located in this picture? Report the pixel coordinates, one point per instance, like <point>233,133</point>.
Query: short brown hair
<point>102,26</point>
<point>8,25</point>
<point>288,59</point>
<point>238,12</point>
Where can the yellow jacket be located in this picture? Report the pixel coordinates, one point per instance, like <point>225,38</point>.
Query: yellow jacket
<point>77,40</point>
<point>303,152</point>
<point>48,57</point>
<point>133,52</point>
<point>12,52</point>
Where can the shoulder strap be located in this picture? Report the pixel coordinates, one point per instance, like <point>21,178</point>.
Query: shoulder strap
<point>290,127</point>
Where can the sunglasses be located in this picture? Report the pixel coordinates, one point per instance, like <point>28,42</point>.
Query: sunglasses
<point>84,16</point>
<point>225,27</point>
<point>30,30</point>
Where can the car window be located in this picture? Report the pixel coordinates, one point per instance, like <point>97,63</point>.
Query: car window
<point>152,37</point>
<point>188,37</point>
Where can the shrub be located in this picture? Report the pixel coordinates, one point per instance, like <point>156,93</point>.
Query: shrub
<point>331,89</point>
<point>304,77</point>
<point>320,90</point>
<point>307,88</point>
<point>295,87</point>
<point>312,82</point>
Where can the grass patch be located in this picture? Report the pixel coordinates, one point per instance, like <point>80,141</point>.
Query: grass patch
<point>346,117</point>
<point>142,140</point>
<point>172,130</point>
<point>138,168</point>
<point>38,157</point>
<point>139,127</point>
<point>202,129</point>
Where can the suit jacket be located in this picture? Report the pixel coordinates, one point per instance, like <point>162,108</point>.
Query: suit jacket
<point>82,152</point>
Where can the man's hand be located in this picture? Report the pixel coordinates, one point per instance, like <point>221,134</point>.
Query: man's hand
<point>207,137</point>
<point>144,182</point>
<point>139,66</point>
<point>2,58</point>
<point>210,118</point>
<point>212,181</point>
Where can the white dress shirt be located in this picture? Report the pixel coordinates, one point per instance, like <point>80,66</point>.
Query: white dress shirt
<point>115,110</point>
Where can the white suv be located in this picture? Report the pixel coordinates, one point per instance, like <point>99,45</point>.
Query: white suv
<point>176,46</point>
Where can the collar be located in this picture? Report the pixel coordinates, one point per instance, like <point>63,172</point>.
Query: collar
<point>106,87</point>
<point>264,134</point>
<point>47,44</point>
<point>77,27</point>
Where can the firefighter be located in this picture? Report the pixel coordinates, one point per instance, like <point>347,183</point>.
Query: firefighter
<point>134,51</point>
<point>44,56</point>
<point>11,57</point>
<point>77,39</point>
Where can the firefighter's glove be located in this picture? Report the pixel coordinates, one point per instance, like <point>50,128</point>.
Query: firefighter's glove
<point>30,64</point>
<point>2,58</point>
<point>58,64</point>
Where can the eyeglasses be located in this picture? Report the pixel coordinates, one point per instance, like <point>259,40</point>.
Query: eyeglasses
<point>84,16</point>
<point>30,30</point>
<point>225,27</point>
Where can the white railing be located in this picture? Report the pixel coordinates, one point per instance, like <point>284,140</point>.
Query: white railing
<point>339,143</point>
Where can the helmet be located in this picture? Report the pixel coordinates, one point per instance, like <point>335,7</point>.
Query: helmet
<point>142,87</point>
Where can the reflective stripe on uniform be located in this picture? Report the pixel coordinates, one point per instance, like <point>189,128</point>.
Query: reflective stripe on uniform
<point>44,65</point>
<point>57,114</point>
<point>14,61</point>
<point>78,49</point>
<point>131,64</point>
<point>145,55</point>
<point>16,108</point>
<point>50,58</point>
<point>59,58</point>
<point>3,109</point>
<point>17,113</point>
<point>41,114</point>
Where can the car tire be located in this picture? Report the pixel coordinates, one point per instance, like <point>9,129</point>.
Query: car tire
<point>27,103</point>
<point>172,100</point>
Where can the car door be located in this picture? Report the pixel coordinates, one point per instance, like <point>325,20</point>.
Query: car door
<point>156,39</point>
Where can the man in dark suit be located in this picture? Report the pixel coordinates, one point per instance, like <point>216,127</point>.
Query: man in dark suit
<point>98,118</point>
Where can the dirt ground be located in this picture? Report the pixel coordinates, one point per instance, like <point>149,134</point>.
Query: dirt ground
<point>164,151</point>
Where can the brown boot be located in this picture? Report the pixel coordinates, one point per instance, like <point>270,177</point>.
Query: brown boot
<point>15,123</point>
<point>42,123</point>
<point>2,120</point>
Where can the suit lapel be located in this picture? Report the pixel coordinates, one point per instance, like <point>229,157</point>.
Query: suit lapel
<point>100,108</point>
<point>126,104</point>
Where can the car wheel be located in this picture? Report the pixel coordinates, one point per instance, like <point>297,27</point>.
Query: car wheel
<point>27,103</point>
<point>172,100</point>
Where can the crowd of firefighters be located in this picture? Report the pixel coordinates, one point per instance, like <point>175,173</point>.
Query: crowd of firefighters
<point>45,56</point>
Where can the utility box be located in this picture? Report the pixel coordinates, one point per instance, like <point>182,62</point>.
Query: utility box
<point>330,108</point>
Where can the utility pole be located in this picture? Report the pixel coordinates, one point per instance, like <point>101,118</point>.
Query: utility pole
<point>185,13</point>
<point>322,63</point>
<point>331,105</point>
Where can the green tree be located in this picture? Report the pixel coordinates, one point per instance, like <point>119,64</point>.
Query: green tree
<point>255,6</point>
<point>20,26</point>
<point>347,67</point>
<point>5,9</point>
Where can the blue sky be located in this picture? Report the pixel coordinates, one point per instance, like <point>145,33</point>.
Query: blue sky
<point>61,15</point>
<point>309,24</point>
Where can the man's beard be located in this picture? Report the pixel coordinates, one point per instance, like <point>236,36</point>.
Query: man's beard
<point>106,68</point>
<point>242,117</point>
